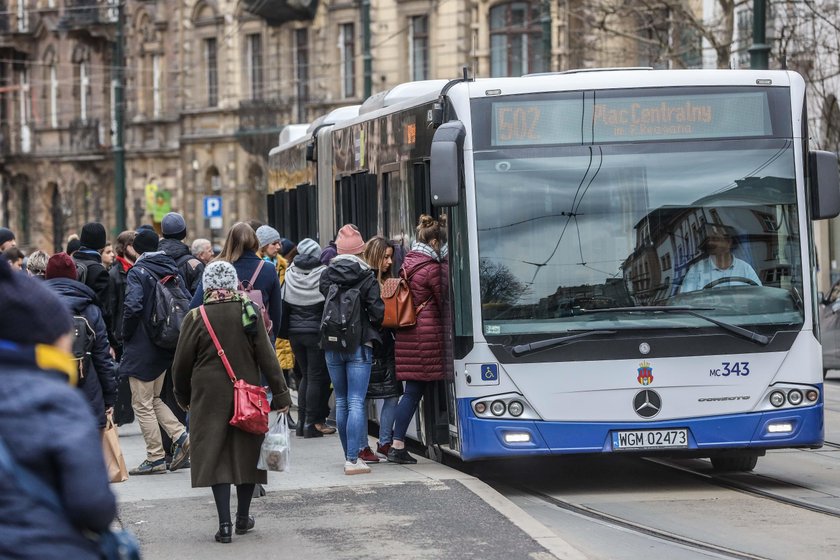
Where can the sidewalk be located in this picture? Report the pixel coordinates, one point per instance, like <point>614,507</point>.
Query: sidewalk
<point>423,511</point>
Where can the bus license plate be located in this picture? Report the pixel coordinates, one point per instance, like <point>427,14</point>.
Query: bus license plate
<point>650,439</point>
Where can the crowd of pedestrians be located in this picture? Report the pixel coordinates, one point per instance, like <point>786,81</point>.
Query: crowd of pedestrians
<point>287,315</point>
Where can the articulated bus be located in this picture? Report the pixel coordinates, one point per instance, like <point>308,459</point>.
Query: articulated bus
<point>629,260</point>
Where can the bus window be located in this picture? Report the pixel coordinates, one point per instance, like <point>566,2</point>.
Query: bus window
<point>357,198</point>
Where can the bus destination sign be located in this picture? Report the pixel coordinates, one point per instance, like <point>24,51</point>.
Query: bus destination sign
<point>616,119</point>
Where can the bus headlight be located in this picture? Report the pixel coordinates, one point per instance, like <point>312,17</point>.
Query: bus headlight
<point>497,408</point>
<point>480,408</point>
<point>795,397</point>
<point>515,408</point>
<point>812,395</point>
<point>777,398</point>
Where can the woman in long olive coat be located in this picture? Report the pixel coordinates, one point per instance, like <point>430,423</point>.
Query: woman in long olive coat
<point>222,455</point>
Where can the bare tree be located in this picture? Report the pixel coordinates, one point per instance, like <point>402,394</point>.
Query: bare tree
<point>665,33</point>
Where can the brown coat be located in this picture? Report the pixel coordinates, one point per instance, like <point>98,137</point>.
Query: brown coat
<point>219,452</point>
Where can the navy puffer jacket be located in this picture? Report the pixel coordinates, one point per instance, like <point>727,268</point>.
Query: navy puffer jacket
<point>49,430</point>
<point>419,349</point>
<point>99,383</point>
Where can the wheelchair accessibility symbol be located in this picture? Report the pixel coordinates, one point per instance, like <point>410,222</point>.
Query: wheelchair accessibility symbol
<point>489,372</point>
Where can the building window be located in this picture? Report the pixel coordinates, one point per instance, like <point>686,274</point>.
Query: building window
<point>516,39</point>
<point>157,94</point>
<point>302,71</point>
<point>347,46</point>
<point>84,91</point>
<point>254,65</point>
<point>211,72</point>
<point>53,96</point>
<point>418,44</point>
<point>25,111</point>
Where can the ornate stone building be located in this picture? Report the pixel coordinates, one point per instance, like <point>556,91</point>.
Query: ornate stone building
<point>209,85</point>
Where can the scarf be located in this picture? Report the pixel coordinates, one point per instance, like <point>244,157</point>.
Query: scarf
<point>426,250</point>
<point>126,264</point>
<point>249,312</point>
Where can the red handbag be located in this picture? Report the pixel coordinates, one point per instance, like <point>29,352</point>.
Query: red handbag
<point>250,402</point>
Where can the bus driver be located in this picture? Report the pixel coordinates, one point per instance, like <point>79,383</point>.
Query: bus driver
<point>721,267</point>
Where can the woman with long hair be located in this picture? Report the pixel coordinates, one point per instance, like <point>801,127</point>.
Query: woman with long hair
<point>241,246</point>
<point>383,384</point>
<point>221,454</point>
<point>418,348</point>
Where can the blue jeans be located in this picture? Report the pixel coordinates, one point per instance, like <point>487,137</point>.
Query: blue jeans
<point>408,406</point>
<point>350,373</point>
<point>386,423</point>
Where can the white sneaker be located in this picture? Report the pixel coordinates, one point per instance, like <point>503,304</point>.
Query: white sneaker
<point>359,467</point>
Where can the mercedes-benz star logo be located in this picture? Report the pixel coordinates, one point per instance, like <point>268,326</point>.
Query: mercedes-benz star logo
<point>647,403</point>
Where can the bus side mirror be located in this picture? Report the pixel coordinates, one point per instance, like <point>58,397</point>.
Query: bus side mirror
<point>311,155</point>
<point>447,163</point>
<point>825,185</point>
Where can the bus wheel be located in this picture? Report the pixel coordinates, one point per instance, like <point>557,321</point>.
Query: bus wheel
<point>742,462</point>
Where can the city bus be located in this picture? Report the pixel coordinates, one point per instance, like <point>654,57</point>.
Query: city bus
<point>629,263</point>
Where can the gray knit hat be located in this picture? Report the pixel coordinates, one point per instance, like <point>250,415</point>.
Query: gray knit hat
<point>220,275</point>
<point>309,247</point>
<point>267,235</point>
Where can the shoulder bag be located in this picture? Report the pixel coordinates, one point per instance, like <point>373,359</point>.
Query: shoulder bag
<point>118,544</point>
<point>250,402</point>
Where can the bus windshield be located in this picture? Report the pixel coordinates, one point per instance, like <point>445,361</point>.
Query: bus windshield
<point>708,222</point>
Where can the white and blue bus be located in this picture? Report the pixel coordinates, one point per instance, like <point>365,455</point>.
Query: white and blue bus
<point>630,264</point>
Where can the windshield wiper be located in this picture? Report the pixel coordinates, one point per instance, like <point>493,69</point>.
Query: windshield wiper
<point>524,349</point>
<point>734,329</point>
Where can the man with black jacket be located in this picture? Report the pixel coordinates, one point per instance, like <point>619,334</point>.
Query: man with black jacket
<point>89,264</point>
<point>145,363</point>
<point>174,230</point>
<point>124,260</point>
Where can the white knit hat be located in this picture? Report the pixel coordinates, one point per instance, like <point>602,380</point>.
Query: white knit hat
<point>220,275</point>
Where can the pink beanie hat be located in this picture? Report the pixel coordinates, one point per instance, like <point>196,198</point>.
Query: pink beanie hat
<point>349,241</point>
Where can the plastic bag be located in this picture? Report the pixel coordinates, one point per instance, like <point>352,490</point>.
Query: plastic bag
<point>274,453</point>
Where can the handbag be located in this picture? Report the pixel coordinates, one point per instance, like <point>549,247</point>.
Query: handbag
<point>114,460</point>
<point>400,312</point>
<point>250,402</point>
<point>113,544</point>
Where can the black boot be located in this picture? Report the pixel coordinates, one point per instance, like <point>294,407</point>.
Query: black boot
<point>224,534</point>
<point>244,524</point>
<point>292,424</point>
<point>312,432</point>
<point>299,429</point>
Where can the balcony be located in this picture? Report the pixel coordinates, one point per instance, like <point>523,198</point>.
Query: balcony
<point>17,28</point>
<point>84,136</point>
<point>96,18</point>
<point>260,123</point>
<point>278,12</point>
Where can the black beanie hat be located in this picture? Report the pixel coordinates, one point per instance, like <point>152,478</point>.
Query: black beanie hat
<point>6,235</point>
<point>32,313</point>
<point>93,236</point>
<point>145,241</point>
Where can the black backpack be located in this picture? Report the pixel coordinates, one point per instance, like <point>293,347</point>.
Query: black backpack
<point>341,323</point>
<point>169,307</point>
<point>83,338</point>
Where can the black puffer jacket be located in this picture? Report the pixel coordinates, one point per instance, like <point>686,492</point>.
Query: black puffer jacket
<point>190,268</point>
<point>349,271</point>
<point>99,383</point>
<point>383,382</point>
<point>116,303</point>
<point>305,302</point>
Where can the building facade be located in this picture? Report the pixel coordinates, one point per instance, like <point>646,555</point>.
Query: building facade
<point>209,84</point>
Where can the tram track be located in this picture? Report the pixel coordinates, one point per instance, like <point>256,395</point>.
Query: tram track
<point>638,528</point>
<point>728,482</point>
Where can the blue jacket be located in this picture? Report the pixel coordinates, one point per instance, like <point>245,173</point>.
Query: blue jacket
<point>267,282</point>
<point>100,381</point>
<point>141,358</point>
<point>50,431</point>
